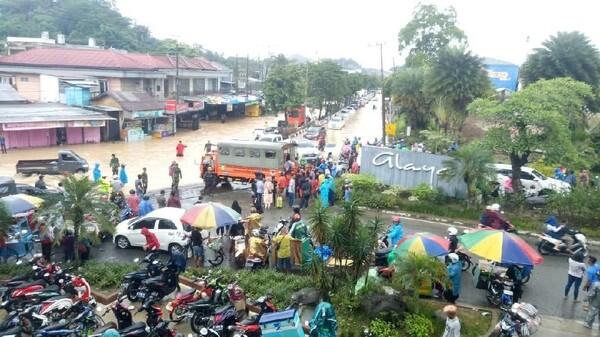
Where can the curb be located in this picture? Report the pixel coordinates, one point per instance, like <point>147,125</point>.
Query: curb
<point>455,223</point>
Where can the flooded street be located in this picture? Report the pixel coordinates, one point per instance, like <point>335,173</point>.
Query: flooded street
<point>157,154</point>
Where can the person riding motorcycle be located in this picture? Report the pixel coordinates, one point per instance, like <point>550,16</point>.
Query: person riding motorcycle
<point>396,231</point>
<point>493,218</point>
<point>554,229</point>
<point>452,237</point>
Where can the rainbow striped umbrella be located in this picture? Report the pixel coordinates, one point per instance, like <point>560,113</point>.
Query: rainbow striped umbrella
<point>422,244</point>
<point>210,215</point>
<point>500,246</point>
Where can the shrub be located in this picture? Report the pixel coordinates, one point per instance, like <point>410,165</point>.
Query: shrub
<point>381,328</point>
<point>579,207</point>
<point>417,325</point>
<point>364,182</point>
<point>545,169</point>
<point>424,192</point>
<point>104,276</point>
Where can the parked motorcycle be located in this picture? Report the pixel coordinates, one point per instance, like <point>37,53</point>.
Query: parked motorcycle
<point>222,318</point>
<point>249,327</point>
<point>133,281</point>
<point>500,292</point>
<point>520,320</point>
<point>549,245</point>
<point>155,288</point>
<point>211,293</point>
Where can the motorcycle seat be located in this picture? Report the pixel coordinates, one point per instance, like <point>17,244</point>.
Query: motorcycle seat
<point>51,288</point>
<point>29,284</point>
<point>250,321</point>
<point>58,326</point>
<point>133,327</point>
<point>102,329</point>
<point>186,293</point>
<point>222,309</point>
<point>56,298</point>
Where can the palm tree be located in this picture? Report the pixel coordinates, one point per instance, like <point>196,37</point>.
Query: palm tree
<point>319,223</point>
<point>361,246</point>
<point>351,216</point>
<point>82,197</point>
<point>414,271</point>
<point>471,163</point>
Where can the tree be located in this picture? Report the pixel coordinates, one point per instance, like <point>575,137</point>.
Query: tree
<point>5,220</point>
<point>457,78</point>
<point>534,119</point>
<point>471,164</point>
<point>435,140</point>
<point>284,87</point>
<point>429,31</point>
<point>326,83</point>
<point>566,54</point>
<point>407,88</point>
<point>319,223</point>
<point>81,197</point>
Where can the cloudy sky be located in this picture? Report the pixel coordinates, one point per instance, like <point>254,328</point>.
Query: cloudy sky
<point>506,29</point>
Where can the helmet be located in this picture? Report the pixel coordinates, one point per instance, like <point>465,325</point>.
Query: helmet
<point>255,232</point>
<point>581,238</point>
<point>396,218</point>
<point>495,207</point>
<point>452,231</point>
<point>453,257</point>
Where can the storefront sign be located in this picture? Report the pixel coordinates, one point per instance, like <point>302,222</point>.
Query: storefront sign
<point>409,169</point>
<point>32,126</point>
<point>86,124</point>
<point>147,114</point>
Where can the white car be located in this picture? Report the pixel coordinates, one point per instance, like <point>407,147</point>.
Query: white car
<point>164,222</point>
<point>336,123</point>
<point>271,138</point>
<point>532,180</point>
<point>306,151</point>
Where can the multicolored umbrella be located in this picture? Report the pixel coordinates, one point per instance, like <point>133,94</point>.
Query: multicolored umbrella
<point>20,203</point>
<point>210,215</point>
<point>500,246</point>
<point>422,244</point>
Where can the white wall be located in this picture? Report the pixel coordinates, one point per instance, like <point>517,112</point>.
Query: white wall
<point>49,89</point>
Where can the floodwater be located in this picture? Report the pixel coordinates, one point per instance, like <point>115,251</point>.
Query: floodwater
<point>157,154</point>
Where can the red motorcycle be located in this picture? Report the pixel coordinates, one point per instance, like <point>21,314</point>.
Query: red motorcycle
<point>207,293</point>
<point>249,327</point>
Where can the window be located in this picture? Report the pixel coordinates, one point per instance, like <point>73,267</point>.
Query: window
<point>24,79</point>
<point>166,224</point>
<point>254,153</point>
<point>4,190</point>
<point>67,157</point>
<point>144,223</point>
<point>239,152</point>
<point>538,175</point>
<point>527,176</point>
<point>270,154</point>
<point>224,151</point>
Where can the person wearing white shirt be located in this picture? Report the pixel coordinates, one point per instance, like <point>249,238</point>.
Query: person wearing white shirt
<point>575,275</point>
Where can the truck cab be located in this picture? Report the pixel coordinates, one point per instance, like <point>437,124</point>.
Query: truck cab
<point>67,161</point>
<point>7,186</point>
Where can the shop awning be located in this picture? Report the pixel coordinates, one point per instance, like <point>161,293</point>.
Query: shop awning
<point>48,115</point>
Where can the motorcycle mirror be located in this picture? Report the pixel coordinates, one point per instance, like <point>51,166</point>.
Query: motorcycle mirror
<point>136,260</point>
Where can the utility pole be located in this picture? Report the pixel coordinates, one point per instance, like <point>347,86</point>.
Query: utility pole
<point>236,74</point>
<point>306,87</point>
<point>247,74</point>
<point>380,44</point>
<point>176,86</point>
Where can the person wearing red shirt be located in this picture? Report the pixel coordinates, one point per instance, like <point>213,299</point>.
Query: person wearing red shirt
<point>282,183</point>
<point>355,168</point>
<point>180,147</point>
<point>151,240</point>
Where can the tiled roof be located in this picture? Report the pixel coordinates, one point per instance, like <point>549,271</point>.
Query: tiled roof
<point>101,59</point>
<point>134,101</point>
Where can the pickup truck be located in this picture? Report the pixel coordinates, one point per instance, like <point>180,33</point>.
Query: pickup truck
<point>66,162</point>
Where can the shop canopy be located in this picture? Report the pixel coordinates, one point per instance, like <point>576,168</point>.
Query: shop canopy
<point>27,116</point>
<point>224,99</point>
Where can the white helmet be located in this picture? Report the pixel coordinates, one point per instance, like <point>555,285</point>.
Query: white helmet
<point>581,238</point>
<point>452,231</point>
<point>495,207</point>
<point>453,257</point>
<point>255,232</point>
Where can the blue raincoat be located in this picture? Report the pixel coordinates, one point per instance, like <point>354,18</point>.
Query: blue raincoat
<point>123,176</point>
<point>325,186</point>
<point>395,234</point>
<point>97,174</point>
<point>454,273</point>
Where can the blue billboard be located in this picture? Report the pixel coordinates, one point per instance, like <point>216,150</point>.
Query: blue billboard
<point>503,75</point>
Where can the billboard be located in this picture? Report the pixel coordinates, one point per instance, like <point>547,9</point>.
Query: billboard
<point>503,76</point>
<point>409,169</point>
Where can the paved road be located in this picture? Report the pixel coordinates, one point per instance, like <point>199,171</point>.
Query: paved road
<point>544,290</point>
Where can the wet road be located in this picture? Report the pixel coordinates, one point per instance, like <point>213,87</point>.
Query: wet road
<point>157,154</point>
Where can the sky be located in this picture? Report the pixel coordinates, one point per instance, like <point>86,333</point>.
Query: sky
<point>506,30</point>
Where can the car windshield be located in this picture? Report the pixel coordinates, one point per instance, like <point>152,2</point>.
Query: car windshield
<point>313,129</point>
<point>538,175</point>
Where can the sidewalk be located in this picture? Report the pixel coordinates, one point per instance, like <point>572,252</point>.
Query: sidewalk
<point>560,327</point>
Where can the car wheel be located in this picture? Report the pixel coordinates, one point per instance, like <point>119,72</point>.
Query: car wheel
<point>122,242</point>
<point>175,247</point>
<point>80,171</point>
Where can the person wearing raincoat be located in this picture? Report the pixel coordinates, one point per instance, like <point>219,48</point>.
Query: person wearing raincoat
<point>123,175</point>
<point>396,232</point>
<point>97,174</point>
<point>325,190</point>
<point>323,322</point>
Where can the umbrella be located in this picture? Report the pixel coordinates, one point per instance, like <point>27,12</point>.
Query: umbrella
<point>422,244</point>
<point>210,215</point>
<point>20,203</point>
<point>500,246</point>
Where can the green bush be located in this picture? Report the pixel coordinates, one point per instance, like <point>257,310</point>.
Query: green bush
<point>545,169</point>
<point>579,207</point>
<point>424,192</point>
<point>381,328</point>
<point>104,276</point>
<point>260,282</point>
<point>364,182</point>
<point>417,325</point>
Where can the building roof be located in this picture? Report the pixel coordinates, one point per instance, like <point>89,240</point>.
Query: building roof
<point>47,112</point>
<point>493,61</point>
<point>8,94</point>
<point>101,59</point>
<point>134,101</point>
